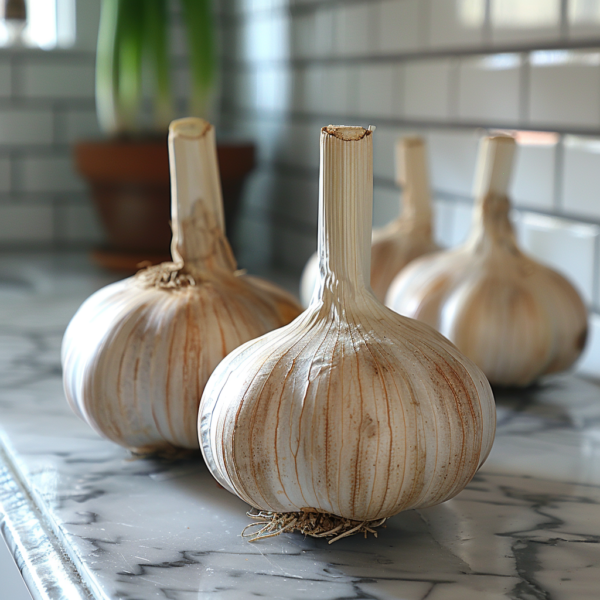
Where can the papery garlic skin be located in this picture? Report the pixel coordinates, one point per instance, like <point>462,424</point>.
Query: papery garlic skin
<point>136,358</point>
<point>515,318</point>
<point>137,354</point>
<point>351,409</point>
<point>405,238</point>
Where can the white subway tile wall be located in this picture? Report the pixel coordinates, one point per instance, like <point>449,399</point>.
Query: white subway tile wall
<point>427,89</point>
<point>47,104</point>
<point>452,156</point>
<point>323,32</point>
<point>24,126</point>
<point>45,79</point>
<point>5,79</point>
<point>455,23</point>
<point>47,174</point>
<point>386,205</point>
<point>78,224</point>
<point>77,125</point>
<point>489,89</point>
<point>566,246</point>
<point>21,223</point>
<point>336,88</point>
<point>5,178</point>
<point>353,29</point>
<point>379,90</point>
<point>584,19</point>
<point>530,22</point>
<point>304,35</point>
<point>534,177</point>
<point>87,15</point>
<point>399,26</point>
<point>384,157</point>
<point>581,176</point>
<point>450,70</point>
<point>564,88</point>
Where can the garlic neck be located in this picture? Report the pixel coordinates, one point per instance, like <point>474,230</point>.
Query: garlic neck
<point>416,212</point>
<point>199,241</point>
<point>345,214</point>
<point>412,176</point>
<point>491,225</point>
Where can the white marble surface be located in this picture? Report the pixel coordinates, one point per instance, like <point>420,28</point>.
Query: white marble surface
<point>86,521</point>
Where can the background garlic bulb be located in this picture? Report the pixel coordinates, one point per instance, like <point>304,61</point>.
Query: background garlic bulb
<point>351,410</point>
<point>404,239</point>
<point>138,353</point>
<point>515,318</point>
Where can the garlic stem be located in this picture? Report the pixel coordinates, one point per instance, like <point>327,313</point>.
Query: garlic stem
<point>351,412</point>
<point>345,212</point>
<point>412,176</point>
<point>494,167</point>
<point>491,222</point>
<point>138,353</point>
<point>197,207</point>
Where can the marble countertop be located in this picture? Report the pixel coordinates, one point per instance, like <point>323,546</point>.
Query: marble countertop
<point>85,520</point>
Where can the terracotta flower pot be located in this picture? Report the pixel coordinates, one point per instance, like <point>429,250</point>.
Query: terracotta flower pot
<point>130,187</point>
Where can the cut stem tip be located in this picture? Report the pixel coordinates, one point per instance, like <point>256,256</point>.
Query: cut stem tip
<point>347,133</point>
<point>189,127</point>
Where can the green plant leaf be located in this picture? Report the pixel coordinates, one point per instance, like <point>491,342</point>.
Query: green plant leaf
<point>107,67</point>
<point>156,50</point>
<point>135,33</point>
<point>199,21</point>
<point>130,38</point>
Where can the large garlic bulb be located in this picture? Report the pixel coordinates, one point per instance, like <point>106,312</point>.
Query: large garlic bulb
<point>138,353</point>
<point>513,317</point>
<point>351,410</point>
<point>405,238</point>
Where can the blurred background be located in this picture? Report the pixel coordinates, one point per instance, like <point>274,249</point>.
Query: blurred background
<point>449,70</point>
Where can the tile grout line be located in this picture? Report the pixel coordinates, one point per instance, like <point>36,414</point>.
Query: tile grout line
<point>309,174</point>
<point>596,276</point>
<point>425,20</point>
<point>564,20</point>
<point>524,92</point>
<point>302,117</point>
<point>454,90</point>
<point>578,44</point>
<point>559,167</point>
<point>487,25</point>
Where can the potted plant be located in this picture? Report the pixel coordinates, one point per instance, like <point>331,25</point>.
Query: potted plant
<point>129,172</point>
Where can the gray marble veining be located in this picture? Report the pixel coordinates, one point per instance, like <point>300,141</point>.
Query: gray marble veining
<point>86,520</point>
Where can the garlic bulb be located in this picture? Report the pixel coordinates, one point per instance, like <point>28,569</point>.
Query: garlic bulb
<point>351,410</point>
<point>138,353</point>
<point>516,319</point>
<point>405,238</point>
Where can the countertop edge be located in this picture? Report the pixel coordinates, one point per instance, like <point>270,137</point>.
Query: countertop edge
<point>47,571</point>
